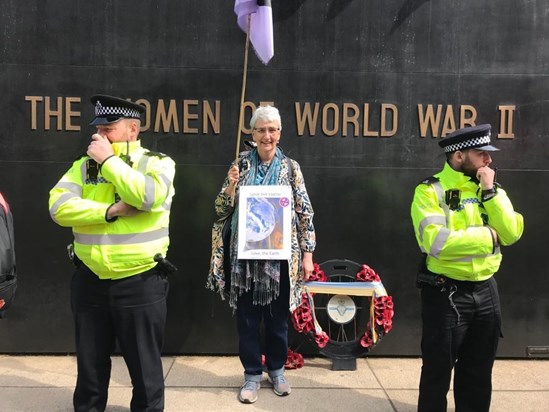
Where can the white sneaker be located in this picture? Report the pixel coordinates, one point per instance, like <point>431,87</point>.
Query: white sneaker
<point>280,385</point>
<point>248,392</point>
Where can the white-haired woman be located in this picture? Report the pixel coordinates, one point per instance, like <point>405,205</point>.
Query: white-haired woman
<point>263,290</point>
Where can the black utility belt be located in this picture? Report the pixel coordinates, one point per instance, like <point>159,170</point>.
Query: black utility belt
<point>442,282</point>
<point>155,270</point>
<point>432,279</point>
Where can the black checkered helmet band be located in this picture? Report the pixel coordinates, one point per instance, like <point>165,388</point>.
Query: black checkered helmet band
<point>469,144</point>
<point>126,112</point>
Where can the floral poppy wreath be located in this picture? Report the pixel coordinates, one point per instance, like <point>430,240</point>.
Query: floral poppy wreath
<point>381,314</point>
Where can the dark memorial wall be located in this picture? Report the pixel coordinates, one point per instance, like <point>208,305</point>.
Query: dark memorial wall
<point>365,88</point>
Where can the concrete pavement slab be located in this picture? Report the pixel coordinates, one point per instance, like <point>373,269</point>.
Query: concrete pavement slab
<point>211,383</point>
<point>523,401</point>
<point>227,371</point>
<point>34,399</point>
<point>317,373</point>
<point>199,371</point>
<point>301,400</point>
<point>58,370</point>
<point>525,374</point>
<point>403,374</point>
<point>37,371</point>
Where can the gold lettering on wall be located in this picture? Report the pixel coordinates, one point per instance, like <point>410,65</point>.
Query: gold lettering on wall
<point>346,119</point>
<point>385,109</point>
<point>350,118</point>
<point>428,119</point>
<point>466,120</point>
<point>49,113</point>
<point>69,114</point>
<point>439,124</point>
<point>62,110</point>
<point>166,118</point>
<point>187,115</point>
<point>306,118</point>
<point>34,100</point>
<point>210,117</point>
<point>449,124</point>
<point>193,116</point>
<point>366,124</point>
<point>146,118</point>
<point>506,121</point>
<point>334,122</point>
<point>246,107</point>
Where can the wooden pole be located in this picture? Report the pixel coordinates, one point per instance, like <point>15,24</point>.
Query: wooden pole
<point>243,91</point>
<point>242,94</point>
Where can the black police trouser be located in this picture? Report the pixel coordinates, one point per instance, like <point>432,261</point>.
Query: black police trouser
<point>468,343</point>
<point>132,311</point>
<point>275,317</point>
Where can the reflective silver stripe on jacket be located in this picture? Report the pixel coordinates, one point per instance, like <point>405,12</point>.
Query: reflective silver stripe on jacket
<point>444,233</point>
<point>148,196</point>
<point>440,194</point>
<point>167,203</point>
<point>430,220</point>
<point>74,190</point>
<point>142,165</point>
<point>121,239</point>
<point>439,242</point>
<point>83,171</point>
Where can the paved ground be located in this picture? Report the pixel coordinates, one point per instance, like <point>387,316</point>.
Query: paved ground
<point>200,383</point>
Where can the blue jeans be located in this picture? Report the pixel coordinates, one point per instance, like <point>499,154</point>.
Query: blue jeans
<point>275,318</point>
<point>466,343</point>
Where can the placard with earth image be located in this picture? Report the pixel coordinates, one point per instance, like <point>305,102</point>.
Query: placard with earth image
<point>264,222</point>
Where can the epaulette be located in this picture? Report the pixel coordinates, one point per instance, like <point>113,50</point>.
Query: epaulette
<point>80,156</point>
<point>430,180</point>
<point>157,154</point>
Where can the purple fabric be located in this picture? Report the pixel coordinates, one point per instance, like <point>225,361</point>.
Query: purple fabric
<point>261,26</point>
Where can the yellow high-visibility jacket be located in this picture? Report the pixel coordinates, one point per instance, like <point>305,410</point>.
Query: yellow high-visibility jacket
<point>457,241</point>
<point>125,246</point>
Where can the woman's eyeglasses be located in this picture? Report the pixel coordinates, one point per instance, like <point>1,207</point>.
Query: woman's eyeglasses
<point>263,130</point>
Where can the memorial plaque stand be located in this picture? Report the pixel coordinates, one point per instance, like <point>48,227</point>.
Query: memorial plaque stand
<point>343,364</point>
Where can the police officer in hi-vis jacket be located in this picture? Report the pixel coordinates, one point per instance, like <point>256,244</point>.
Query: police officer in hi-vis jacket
<point>461,219</point>
<point>117,201</point>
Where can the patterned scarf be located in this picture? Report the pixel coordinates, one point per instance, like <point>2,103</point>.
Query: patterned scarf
<point>260,276</point>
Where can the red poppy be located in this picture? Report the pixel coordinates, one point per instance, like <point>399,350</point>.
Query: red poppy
<point>318,274</point>
<point>294,360</point>
<point>322,339</point>
<point>367,274</point>
<point>366,341</point>
<point>303,316</point>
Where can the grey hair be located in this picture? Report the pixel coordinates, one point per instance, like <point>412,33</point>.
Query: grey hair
<point>266,113</point>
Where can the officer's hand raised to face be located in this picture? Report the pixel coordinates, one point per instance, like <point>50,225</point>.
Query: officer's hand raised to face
<point>100,148</point>
<point>485,176</point>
